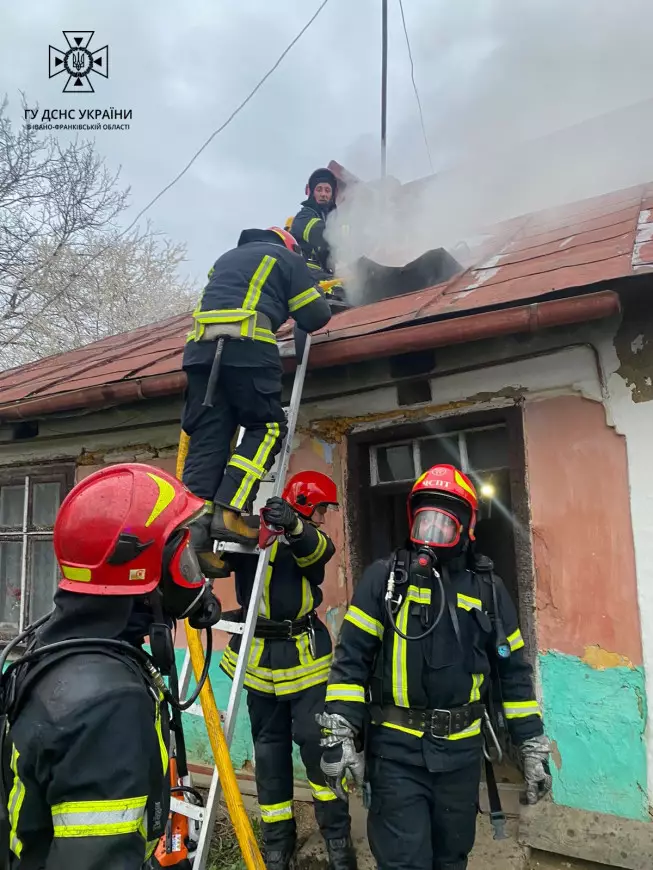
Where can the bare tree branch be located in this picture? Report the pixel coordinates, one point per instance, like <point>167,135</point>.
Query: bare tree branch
<point>68,275</point>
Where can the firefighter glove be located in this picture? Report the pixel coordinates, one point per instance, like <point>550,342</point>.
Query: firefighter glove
<point>535,757</point>
<point>339,754</point>
<point>279,513</point>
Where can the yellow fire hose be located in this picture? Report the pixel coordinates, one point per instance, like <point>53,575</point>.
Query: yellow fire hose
<point>235,807</point>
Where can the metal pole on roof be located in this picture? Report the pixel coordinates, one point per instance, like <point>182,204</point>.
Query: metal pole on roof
<point>384,83</point>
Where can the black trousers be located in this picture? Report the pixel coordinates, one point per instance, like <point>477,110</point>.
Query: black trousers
<point>420,820</point>
<point>248,397</point>
<point>275,725</point>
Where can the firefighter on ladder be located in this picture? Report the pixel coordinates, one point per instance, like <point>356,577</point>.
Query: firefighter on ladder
<point>85,722</point>
<point>417,647</point>
<point>288,667</point>
<point>252,290</point>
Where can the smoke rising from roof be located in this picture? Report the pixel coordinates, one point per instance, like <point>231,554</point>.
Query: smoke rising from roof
<point>529,104</point>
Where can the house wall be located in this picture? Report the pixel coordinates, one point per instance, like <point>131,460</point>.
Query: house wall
<point>588,389</point>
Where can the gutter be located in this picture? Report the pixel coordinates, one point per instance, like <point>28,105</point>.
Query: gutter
<point>460,330</point>
<point>343,351</point>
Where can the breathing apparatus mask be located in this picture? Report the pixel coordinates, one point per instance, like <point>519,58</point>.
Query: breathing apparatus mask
<point>439,533</point>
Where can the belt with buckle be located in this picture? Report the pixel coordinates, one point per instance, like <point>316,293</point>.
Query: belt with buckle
<point>437,723</point>
<point>270,629</point>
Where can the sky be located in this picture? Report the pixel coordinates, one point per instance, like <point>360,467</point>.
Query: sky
<point>526,102</point>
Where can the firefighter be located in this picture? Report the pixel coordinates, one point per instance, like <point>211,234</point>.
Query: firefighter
<point>416,650</point>
<point>252,290</point>
<point>309,223</point>
<point>288,668</point>
<point>85,754</point>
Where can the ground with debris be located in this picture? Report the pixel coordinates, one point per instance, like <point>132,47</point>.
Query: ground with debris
<point>488,854</point>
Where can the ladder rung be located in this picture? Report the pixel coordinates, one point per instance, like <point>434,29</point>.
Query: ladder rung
<point>230,627</point>
<point>233,547</point>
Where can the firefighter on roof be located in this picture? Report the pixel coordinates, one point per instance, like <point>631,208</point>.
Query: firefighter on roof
<point>252,290</point>
<point>415,655</point>
<point>84,732</point>
<point>288,668</point>
<point>309,224</point>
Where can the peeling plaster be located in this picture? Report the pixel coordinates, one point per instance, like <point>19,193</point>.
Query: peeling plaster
<point>633,417</point>
<point>600,659</point>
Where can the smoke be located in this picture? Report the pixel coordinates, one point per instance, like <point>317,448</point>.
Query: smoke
<point>528,104</point>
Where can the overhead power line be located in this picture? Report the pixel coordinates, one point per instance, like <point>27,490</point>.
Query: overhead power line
<point>226,123</point>
<point>412,75</point>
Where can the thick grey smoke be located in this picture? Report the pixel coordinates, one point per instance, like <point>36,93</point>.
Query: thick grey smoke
<point>529,104</point>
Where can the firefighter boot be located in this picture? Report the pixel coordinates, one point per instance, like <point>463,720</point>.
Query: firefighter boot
<point>211,564</point>
<point>229,525</point>
<point>341,854</point>
<point>279,858</point>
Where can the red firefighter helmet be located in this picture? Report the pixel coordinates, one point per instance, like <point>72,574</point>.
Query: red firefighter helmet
<point>289,241</point>
<point>429,520</point>
<point>308,490</point>
<point>111,532</point>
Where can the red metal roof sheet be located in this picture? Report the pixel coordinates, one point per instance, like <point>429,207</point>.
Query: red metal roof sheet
<point>600,239</point>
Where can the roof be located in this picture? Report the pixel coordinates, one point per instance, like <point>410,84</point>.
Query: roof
<point>601,239</point>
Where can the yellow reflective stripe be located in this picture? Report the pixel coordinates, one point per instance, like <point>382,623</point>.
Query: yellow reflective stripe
<point>251,682</point>
<point>364,621</point>
<point>420,595</point>
<point>246,465</point>
<point>259,461</point>
<point>162,744</point>
<point>224,315</point>
<point>280,812</point>
<point>292,686</point>
<point>307,598</point>
<point>521,709</point>
<point>264,604</point>
<point>316,555</point>
<point>322,792</point>
<point>477,682</point>
<point>15,804</point>
<point>303,298</point>
<point>282,674</point>
<point>266,335</point>
<point>516,640</point>
<point>466,602</point>
<point>98,818</point>
<point>472,731</point>
<point>345,692</point>
<point>309,226</point>
<point>303,650</point>
<point>258,280</point>
<point>412,731</point>
<point>399,668</point>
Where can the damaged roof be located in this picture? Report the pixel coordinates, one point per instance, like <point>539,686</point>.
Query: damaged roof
<point>570,248</point>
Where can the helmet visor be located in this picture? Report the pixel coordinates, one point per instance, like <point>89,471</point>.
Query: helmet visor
<point>183,582</point>
<point>435,527</point>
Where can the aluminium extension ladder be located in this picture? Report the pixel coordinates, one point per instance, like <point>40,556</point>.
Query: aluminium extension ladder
<point>208,814</point>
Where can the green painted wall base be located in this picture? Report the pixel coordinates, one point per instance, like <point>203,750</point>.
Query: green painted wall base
<point>596,719</point>
<point>197,740</point>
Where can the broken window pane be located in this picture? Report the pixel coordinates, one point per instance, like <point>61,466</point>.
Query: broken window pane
<point>395,463</point>
<point>10,569</point>
<point>43,577</point>
<point>45,504</point>
<point>439,451</point>
<point>11,506</point>
<point>487,448</point>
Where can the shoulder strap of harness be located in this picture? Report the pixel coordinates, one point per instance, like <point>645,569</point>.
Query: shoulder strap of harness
<point>399,564</point>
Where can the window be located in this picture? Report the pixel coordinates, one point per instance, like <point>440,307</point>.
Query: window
<point>29,502</point>
<point>478,452</point>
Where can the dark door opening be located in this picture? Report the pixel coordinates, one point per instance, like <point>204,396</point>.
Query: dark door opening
<point>483,453</point>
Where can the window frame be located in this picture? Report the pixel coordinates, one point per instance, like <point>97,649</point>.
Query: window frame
<point>27,476</point>
<point>417,463</point>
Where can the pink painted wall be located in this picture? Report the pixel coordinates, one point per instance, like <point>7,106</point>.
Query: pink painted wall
<point>582,535</point>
